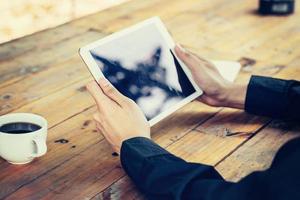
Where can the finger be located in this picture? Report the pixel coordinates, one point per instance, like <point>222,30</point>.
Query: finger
<point>187,58</point>
<point>98,122</point>
<point>191,59</point>
<point>201,98</point>
<point>99,127</point>
<point>105,134</point>
<point>110,91</point>
<point>97,94</point>
<point>190,53</point>
<point>181,52</point>
<point>206,100</point>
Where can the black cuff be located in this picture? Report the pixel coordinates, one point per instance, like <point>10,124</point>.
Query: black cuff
<point>135,150</point>
<point>267,96</point>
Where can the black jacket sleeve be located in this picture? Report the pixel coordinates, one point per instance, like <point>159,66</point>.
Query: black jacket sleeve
<point>272,97</point>
<point>161,175</point>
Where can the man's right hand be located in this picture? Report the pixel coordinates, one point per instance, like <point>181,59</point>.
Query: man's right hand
<point>217,91</point>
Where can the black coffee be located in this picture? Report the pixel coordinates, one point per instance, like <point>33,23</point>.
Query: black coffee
<point>19,127</point>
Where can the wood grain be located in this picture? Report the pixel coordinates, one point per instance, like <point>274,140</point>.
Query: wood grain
<point>258,152</point>
<point>41,84</point>
<point>80,136</point>
<point>43,74</point>
<point>31,62</point>
<point>37,41</point>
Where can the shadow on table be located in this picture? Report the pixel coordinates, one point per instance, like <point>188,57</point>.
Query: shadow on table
<point>231,123</point>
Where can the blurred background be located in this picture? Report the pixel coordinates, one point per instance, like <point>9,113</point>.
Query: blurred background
<point>23,17</point>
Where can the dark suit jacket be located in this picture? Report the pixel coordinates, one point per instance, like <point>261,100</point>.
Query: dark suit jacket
<point>161,175</point>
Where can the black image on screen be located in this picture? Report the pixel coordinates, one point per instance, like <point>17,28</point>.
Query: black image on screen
<point>139,81</point>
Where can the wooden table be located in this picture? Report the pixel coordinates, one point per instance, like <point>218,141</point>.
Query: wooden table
<point>43,73</point>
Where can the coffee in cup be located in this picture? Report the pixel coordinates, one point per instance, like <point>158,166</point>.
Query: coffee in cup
<point>22,137</point>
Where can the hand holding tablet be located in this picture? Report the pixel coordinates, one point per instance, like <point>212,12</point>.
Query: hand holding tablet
<point>118,118</point>
<point>139,62</point>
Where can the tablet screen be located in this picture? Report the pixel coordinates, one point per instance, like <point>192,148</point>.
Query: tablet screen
<point>142,67</point>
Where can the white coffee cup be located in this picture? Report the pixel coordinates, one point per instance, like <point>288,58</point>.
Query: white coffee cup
<point>21,148</point>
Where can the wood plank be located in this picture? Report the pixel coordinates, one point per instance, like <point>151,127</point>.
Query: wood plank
<point>263,30</point>
<point>81,135</point>
<point>37,41</point>
<point>122,189</point>
<point>16,69</point>
<point>102,19</point>
<point>247,32</point>
<point>258,152</point>
<point>209,143</point>
<point>61,105</point>
<point>170,11</point>
<point>291,72</point>
<point>164,9</point>
<point>214,24</point>
<point>213,47</point>
<point>43,83</point>
<point>79,177</point>
<point>211,28</point>
<point>187,118</point>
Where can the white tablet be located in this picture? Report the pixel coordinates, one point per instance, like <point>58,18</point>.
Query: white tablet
<point>140,63</point>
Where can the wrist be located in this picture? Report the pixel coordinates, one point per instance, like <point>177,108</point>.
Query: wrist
<point>235,95</point>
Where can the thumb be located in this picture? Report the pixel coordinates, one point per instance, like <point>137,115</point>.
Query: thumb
<point>187,58</point>
<point>110,91</point>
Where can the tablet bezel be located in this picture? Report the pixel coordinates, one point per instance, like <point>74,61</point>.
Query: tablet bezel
<point>97,73</point>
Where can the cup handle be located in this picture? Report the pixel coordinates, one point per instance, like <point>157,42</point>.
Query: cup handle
<point>40,146</point>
